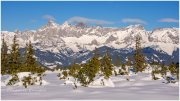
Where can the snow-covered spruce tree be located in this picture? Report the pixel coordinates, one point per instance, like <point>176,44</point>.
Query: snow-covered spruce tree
<point>139,62</point>
<point>4,57</point>
<point>14,62</point>
<point>106,66</point>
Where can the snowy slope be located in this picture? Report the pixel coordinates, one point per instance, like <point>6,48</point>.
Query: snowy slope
<point>140,89</point>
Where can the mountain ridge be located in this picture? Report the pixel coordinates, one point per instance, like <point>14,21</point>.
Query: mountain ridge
<point>64,38</point>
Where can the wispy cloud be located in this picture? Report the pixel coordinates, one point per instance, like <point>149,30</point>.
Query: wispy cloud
<point>133,21</point>
<point>78,19</point>
<point>48,17</point>
<point>169,20</point>
<point>33,21</point>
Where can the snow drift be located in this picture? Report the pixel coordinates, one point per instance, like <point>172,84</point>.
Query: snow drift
<point>21,76</point>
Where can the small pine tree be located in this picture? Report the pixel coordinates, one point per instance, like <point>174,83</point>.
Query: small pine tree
<point>177,70</point>
<point>83,75</point>
<point>65,74</point>
<point>123,67</point>
<point>172,68</point>
<point>4,57</point>
<point>106,65</point>
<point>139,62</point>
<point>163,70</point>
<point>73,70</point>
<point>13,80</point>
<point>27,81</point>
<point>94,66</point>
<point>88,71</point>
<point>117,61</point>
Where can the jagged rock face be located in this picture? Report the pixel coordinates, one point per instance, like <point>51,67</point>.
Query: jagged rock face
<point>68,40</point>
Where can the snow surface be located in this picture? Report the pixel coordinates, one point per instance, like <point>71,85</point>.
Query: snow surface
<point>21,76</point>
<point>140,87</point>
<point>102,82</point>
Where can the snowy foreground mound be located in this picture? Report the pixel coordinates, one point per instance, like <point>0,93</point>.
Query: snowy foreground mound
<point>140,87</point>
<point>101,81</point>
<point>36,79</point>
<point>97,83</point>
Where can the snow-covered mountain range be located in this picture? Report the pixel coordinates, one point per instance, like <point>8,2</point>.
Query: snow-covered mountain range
<point>61,44</point>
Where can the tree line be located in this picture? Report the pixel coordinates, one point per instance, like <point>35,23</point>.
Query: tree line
<point>86,72</point>
<point>14,62</point>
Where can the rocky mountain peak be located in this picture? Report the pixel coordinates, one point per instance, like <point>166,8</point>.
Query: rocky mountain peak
<point>136,26</point>
<point>65,25</point>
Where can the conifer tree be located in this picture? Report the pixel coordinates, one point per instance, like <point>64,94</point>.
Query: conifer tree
<point>14,57</point>
<point>163,70</point>
<point>117,61</point>
<point>30,61</point>
<point>106,65</point>
<point>4,57</point>
<point>172,68</point>
<point>177,70</point>
<point>83,75</point>
<point>73,70</point>
<point>138,56</point>
<point>94,66</point>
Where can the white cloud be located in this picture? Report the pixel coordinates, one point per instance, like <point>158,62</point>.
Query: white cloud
<point>48,17</point>
<point>132,20</point>
<point>169,20</point>
<point>78,19</point>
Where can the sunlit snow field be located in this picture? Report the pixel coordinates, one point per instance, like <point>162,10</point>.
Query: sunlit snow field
<point>139,87</point>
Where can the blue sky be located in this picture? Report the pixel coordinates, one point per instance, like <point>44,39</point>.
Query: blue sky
<point>32,15</point>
